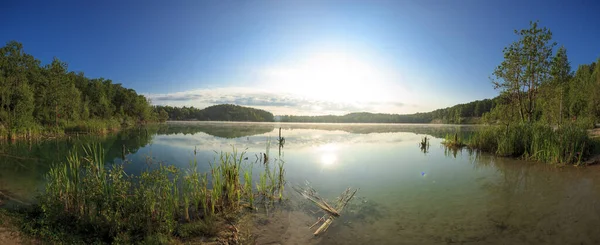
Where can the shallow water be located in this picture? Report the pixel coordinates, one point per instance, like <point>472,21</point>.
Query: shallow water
<point>406,196</point>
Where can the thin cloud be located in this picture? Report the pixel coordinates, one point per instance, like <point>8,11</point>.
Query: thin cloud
<point>277,103</point>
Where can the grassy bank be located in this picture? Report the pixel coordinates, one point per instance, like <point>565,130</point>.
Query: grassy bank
<point>568,144</point>
<point>87,202</point>
<point>95,126</point>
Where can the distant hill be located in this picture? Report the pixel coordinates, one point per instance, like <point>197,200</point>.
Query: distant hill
<point>224,112</point>
<point>458,114</point>
<point>461,113</point>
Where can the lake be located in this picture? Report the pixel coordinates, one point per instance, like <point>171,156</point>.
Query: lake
<point>406,195</point>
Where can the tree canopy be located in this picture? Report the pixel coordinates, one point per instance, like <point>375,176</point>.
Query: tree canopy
<point>224,112</point>
<point>34,95</point>
<point>536,85</point>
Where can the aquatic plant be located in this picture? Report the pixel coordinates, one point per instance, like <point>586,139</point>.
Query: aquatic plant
<point>454,141</point>
<point>84,195</point>
<point>424,144</point>
<point>568,144</point>
<point>280,141</point>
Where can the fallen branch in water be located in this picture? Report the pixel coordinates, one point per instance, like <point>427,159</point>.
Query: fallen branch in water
<point>17,157</point>
<point>2,195</point>
<point>310,194</point>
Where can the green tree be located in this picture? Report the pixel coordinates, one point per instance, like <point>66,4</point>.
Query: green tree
<point>525,67</point>
<point>594,93</point>
<point>32,94</point>
<point>553,93</point>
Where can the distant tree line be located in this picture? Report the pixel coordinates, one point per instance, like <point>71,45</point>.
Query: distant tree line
<point>33,95</point>
<point>453,115</point>
<point>224,112</point>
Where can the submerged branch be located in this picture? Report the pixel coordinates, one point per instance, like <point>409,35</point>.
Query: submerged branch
<point>310,194</point>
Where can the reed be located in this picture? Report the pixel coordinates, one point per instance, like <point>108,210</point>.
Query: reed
<point>83,194</point>
<point>568,144</point>
<point>454,140</point>
<point>424,144</point>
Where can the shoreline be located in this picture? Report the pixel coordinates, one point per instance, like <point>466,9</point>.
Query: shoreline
<point>53,133</point>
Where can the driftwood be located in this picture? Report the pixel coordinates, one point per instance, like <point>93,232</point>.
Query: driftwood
<point>17,157</point>
<point>6,196</point>
<point>331,212</point>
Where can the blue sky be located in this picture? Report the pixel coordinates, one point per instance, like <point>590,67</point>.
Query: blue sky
<point>302,57</point>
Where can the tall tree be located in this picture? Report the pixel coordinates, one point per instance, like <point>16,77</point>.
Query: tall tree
<point>525,67</point>
<point>554,92</point>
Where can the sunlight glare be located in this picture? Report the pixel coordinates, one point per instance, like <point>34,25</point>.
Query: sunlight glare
<point>328,159</point>
<point>328,154</point>
<point>335,77</point>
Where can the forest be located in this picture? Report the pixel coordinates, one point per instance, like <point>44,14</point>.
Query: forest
<point>36,98</point>
<point>539,87</point>
<point>461,113</point>
<point>224,112</point>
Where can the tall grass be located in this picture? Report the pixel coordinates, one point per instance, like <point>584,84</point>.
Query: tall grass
<point>568,144</point>
<point>85,198</point>
<point>271,184</point>
<point>454,140</point>
<point>92,126</point>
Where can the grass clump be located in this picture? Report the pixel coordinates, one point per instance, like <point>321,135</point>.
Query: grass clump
<point>568,144</point>
<point>87,202</point>
<point>454,141</point>
<point>92,126</point>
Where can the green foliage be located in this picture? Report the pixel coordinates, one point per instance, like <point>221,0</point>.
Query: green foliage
<point>567,144</point>
<point>456,114</point>
<point>525,68</point>
<point>87,202</point>
<point>454,141</point>
<point>225,112</point>
<point>538,87</point>
<point>63,99</point>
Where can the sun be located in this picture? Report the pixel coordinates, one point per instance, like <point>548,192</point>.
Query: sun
<point>332,77</point>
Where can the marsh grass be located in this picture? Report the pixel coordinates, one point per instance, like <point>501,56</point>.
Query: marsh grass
<point>35,131</point>
<point>91,126</point>
<point>568,144</point>
<point>454,141</point>
<point>86,201</point>
<point>271,184</point>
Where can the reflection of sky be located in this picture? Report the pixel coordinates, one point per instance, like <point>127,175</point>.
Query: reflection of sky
<point>328,158</point>
<point>299,138</point>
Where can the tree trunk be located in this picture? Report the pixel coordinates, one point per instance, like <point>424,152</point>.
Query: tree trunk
<point>56,115</point>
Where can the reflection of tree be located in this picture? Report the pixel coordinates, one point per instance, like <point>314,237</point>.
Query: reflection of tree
<point>438,131</point>
<point>23,164</point>
<point>223,130</point>
<point>236,130</point>
<point>424,145</point>
<point>506,192</point>
<point>451,151</point>
<point>526,201</point>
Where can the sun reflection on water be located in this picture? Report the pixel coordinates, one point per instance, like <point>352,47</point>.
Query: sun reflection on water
<point>328,153</point>
<point>328,159</point>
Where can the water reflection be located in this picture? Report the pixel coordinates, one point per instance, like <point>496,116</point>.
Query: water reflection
<point>424,145</point>
<point>452,151</point>
<point>328,160</point>
<point>434,195</point>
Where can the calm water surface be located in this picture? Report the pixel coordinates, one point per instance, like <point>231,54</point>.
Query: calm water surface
<point>406,196</point>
